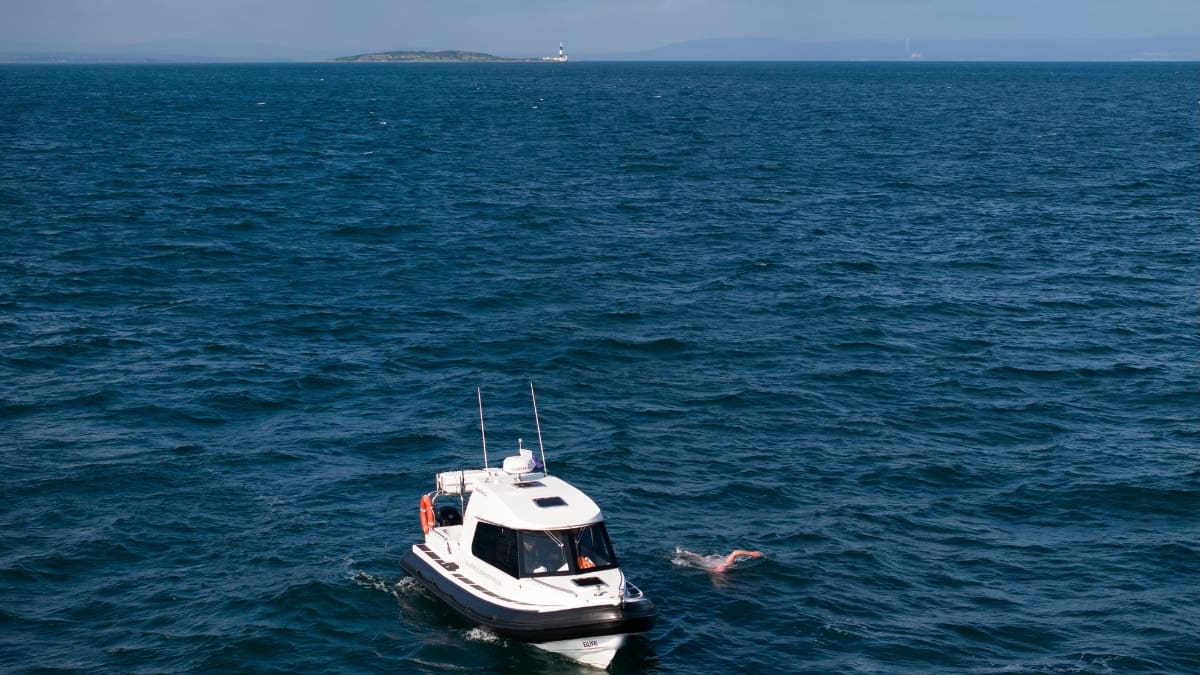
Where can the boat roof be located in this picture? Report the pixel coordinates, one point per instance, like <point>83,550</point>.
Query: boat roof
<point>532,502</point>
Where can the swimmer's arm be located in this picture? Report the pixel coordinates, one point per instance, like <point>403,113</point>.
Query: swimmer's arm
<point>741,553</point>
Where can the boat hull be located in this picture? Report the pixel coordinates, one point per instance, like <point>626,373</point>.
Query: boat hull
<point>589,634</point>
<point>593,651</point>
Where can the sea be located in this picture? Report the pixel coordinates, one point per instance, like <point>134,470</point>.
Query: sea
<point>925,334</point>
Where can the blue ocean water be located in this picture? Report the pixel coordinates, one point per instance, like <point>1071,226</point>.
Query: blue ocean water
<point>925,334</point>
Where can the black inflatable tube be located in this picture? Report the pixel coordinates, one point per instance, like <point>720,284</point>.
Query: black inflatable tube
<point>532,626</point>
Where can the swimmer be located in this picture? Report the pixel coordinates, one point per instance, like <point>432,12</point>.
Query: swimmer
<point>732,558</point>
<point>712,563</point>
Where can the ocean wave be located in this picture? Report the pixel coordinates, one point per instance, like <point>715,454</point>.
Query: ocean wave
<point>939,369</point>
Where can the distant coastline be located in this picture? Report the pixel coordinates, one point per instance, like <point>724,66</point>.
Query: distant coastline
<point>1167,48</point>
<point>444,56</point>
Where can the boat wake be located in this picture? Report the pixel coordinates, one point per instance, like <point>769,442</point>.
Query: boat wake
<point>402,586</point>
<point>478,634</point>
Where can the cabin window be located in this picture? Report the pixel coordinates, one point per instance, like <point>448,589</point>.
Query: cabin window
<point>496,546</point>
<point>544,553</point>
<point>560,552</point>
<point>592,546</point>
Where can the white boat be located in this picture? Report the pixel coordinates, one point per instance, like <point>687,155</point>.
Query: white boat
<point>526,555</point>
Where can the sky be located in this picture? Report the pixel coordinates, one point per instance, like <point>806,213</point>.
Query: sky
<point>534,27</point>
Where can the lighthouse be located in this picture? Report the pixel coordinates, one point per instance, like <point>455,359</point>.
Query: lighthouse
<point>562,54</point>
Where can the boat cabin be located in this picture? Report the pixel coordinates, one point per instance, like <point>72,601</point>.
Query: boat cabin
<point>524,523</point>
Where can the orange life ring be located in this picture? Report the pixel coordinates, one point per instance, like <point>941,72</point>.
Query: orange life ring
<point>427,513</point>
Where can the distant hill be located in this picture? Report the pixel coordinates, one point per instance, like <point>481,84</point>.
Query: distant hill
<point>419,56</point>
<point>753,49</point>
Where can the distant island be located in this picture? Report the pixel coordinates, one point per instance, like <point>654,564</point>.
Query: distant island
<point>448,55</point>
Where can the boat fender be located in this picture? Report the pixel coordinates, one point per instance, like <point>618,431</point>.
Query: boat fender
<point>426,513</point>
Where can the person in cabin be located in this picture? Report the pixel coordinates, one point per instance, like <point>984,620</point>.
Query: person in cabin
<point>542,554</point>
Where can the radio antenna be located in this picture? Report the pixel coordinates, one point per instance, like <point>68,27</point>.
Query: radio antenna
<point>538,422</point>
<point>482,433</point>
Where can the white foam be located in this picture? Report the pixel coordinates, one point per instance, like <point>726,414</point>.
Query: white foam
<point>368,580</point>
<point>686,558</point>
<point>403,585</point>
<point>479,634</point>
<point>408,585</point>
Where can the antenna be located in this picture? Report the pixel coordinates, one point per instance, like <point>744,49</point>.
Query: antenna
<point>532,397</point>
<point>479,395</point>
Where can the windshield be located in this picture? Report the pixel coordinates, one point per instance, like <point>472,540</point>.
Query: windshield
<point>573,551</point>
